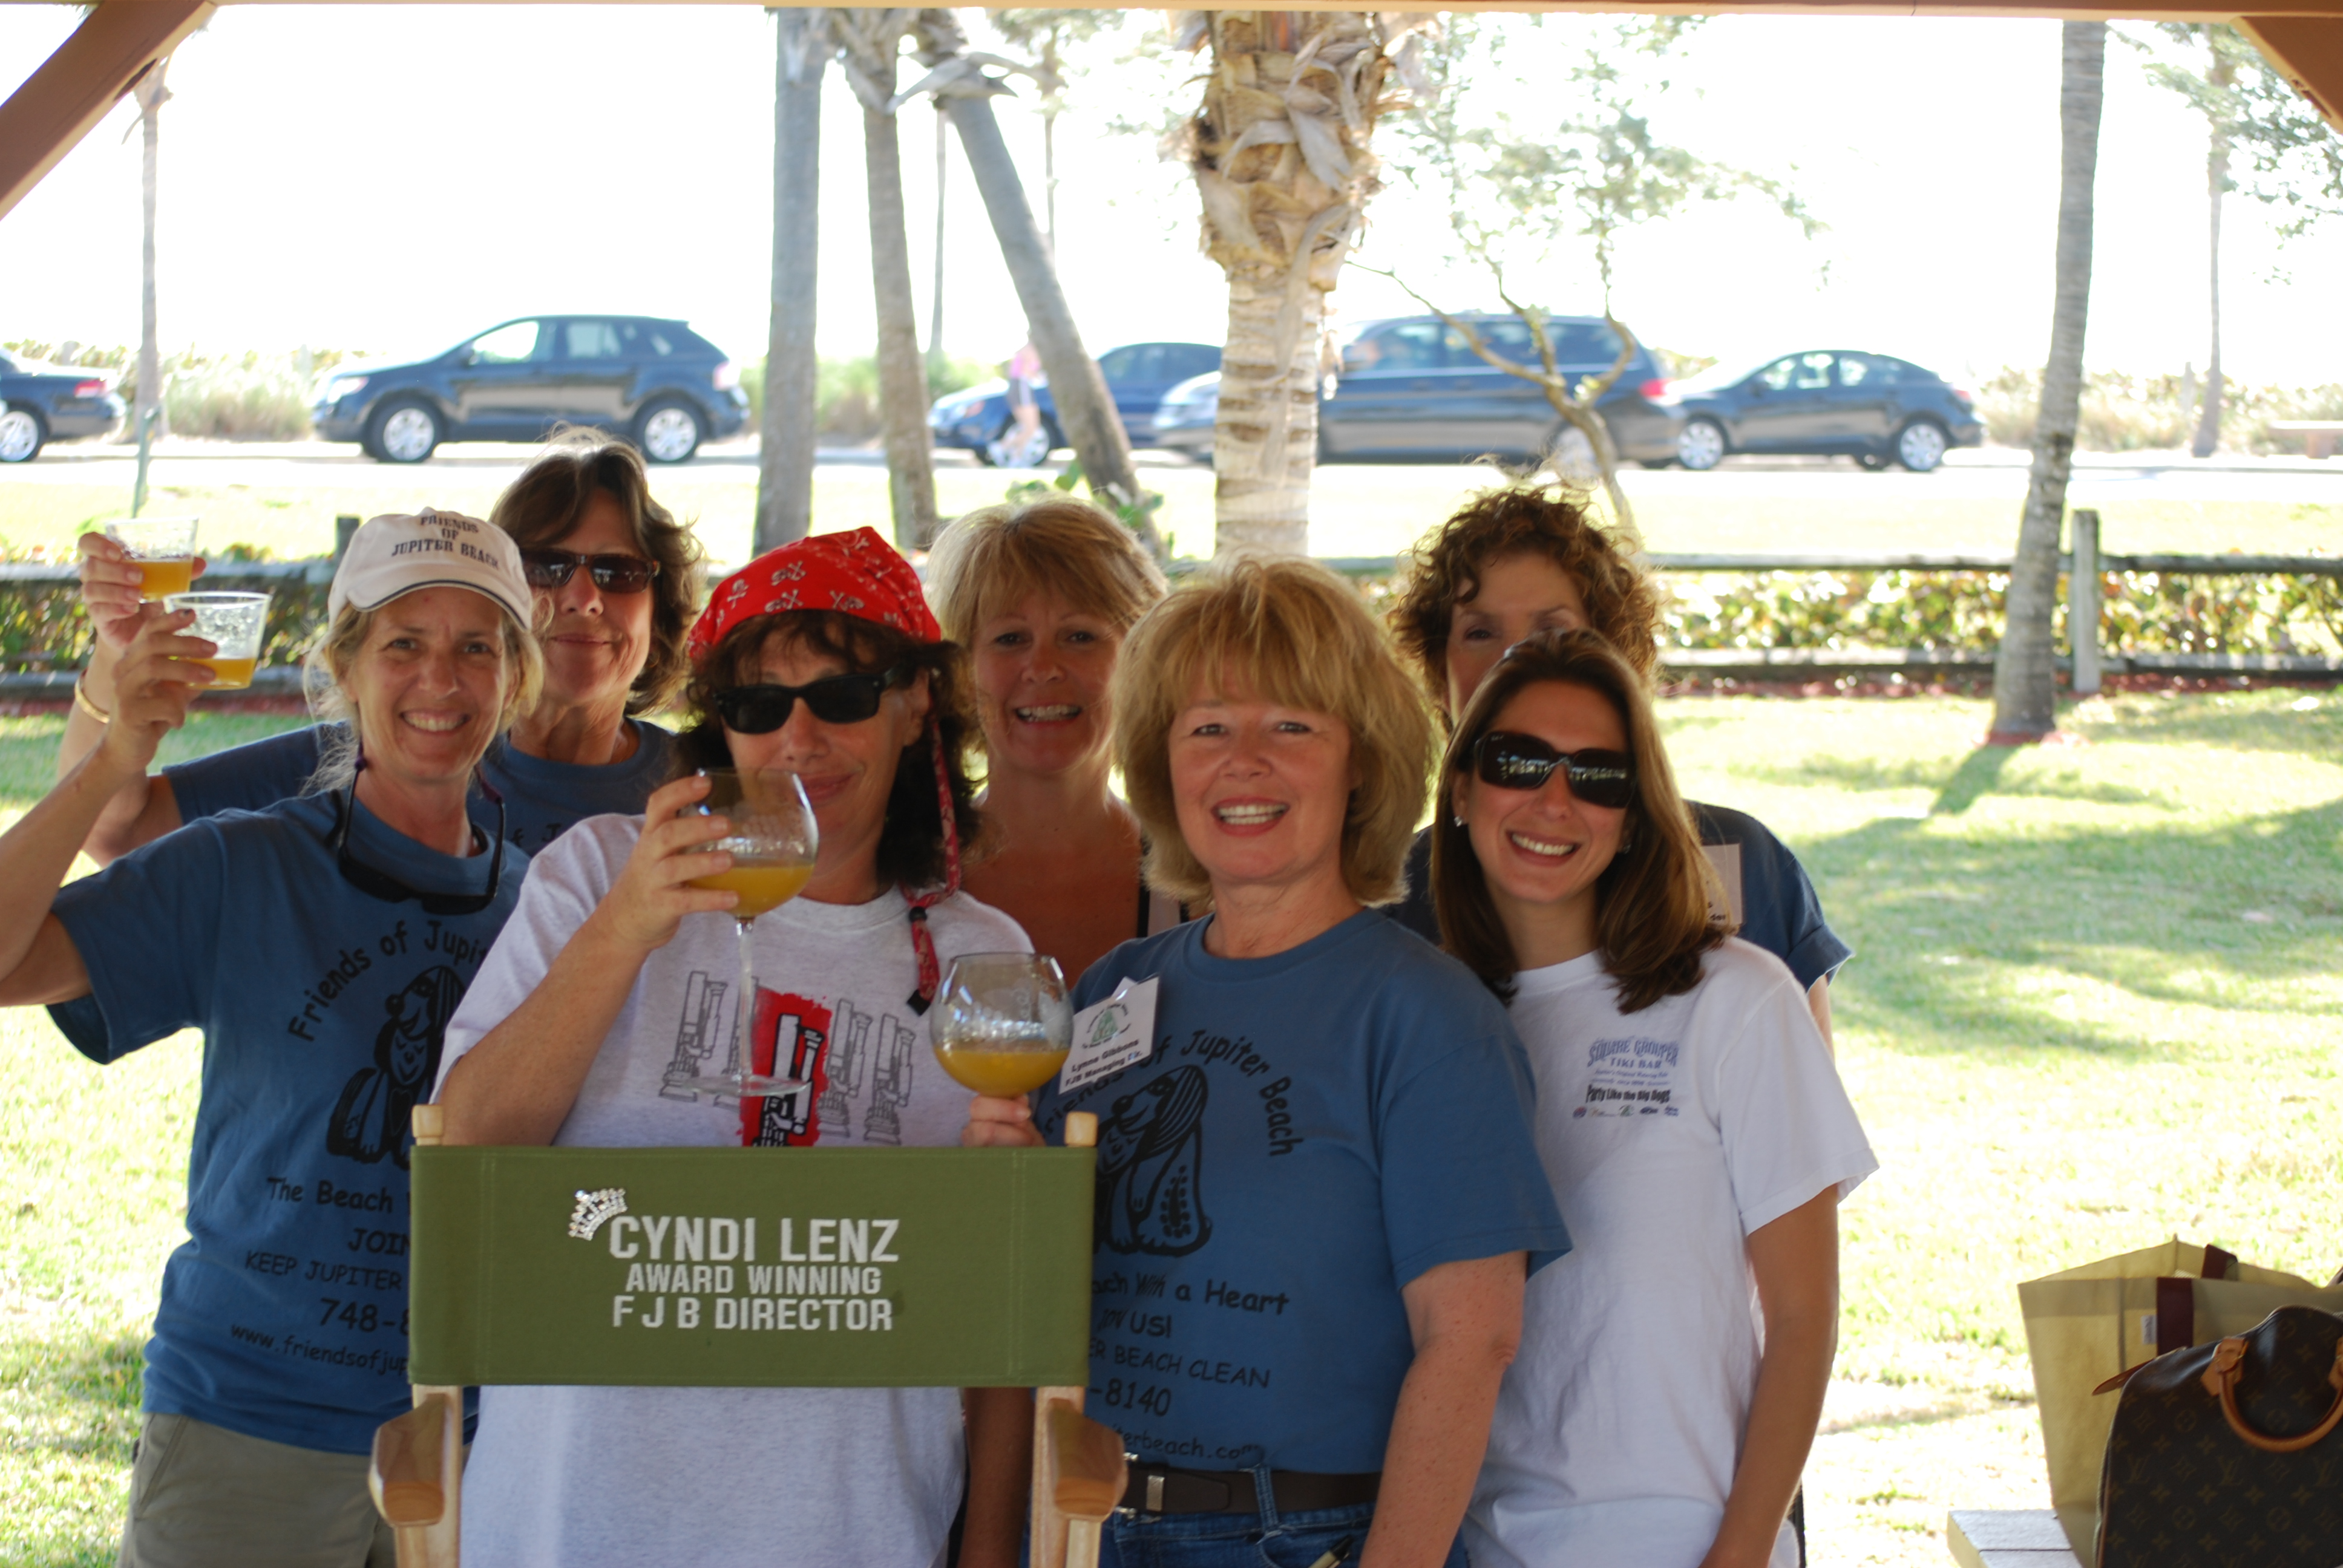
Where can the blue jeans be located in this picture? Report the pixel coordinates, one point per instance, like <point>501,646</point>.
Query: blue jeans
<point>1262,1540</point>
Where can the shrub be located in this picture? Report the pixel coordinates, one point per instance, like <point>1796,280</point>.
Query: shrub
<point>251,396</point>
<point>2126,413</point>
<point>845,391</point>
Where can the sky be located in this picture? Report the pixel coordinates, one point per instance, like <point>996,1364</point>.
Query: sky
<point>386,178</point>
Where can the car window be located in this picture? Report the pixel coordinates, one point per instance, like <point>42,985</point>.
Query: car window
<point>593,340</point>
<point>1195,359</point>
<point>1812,370</point>
<point>1410,345</point>
<point>1115,363</point>
<point>1510,338</point>
<point>1584,342</point>
<point>1777,375</point>
<point>1856,371</point>
<point>509,344</point>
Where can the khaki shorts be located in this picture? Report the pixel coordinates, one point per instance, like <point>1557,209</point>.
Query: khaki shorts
<point>204,1497</point>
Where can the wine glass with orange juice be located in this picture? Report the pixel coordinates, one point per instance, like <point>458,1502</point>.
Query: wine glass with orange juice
<point>1002,1024</point>
<point>773,840</point>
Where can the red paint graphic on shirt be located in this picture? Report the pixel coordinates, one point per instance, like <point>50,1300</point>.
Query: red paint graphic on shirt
<point>794,1031</point>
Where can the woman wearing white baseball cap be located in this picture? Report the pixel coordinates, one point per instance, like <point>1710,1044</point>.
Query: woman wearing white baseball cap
<point>321,944</point>
<point>617,579</point>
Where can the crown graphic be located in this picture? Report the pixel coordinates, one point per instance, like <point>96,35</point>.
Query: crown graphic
<point>594,1207</point>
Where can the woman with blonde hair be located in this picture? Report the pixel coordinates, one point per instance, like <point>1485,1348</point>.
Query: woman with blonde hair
<point>1041,594</point>
<point>616,577</point>
<point>1306,1298</point>
<point>321,945</point>
<point>1672,1367</point>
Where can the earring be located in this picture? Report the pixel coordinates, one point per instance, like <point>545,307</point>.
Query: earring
<point>1626,840</point>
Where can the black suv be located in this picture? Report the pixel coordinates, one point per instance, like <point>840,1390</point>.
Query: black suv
<point>41,402</point>
<point>655,381</point>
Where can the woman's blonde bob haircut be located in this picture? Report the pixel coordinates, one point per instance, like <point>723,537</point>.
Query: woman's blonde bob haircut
<point>997,556</point>
<point>325,670</point>
<point>1289,632</point>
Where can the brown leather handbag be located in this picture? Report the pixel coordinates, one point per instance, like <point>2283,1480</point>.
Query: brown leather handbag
<point>2229,1455</point>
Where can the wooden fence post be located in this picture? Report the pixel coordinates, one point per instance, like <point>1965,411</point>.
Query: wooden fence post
<point>2083,602</point>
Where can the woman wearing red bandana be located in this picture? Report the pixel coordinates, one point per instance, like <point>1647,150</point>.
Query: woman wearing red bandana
<point>612,987</point>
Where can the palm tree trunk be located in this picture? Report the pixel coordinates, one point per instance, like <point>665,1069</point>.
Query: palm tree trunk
<point>902,386</point>
<point>2216,181</point>
<point>152,94</point>
<point>786,445</point>
<point>936,303</point>
<point>1282,154</point>
<point>2024,681</point>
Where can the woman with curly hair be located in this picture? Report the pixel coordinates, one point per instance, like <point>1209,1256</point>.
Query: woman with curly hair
<point>1515,561</point>
<point>820,658</point>
<point>615,580</point>
<point>1672,1366</point>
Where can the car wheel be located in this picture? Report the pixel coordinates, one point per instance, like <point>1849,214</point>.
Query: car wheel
<point>22,435</point>
<point>668,431</point>
<point>404,433</point>
<point>1920,446</point>
<point>1701,446</point>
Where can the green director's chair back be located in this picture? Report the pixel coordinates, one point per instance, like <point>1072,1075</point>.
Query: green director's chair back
<point>729,1268</point>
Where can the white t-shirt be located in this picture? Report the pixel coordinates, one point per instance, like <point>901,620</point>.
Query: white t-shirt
<point>580,1477</point>
<point>1670,1134</point>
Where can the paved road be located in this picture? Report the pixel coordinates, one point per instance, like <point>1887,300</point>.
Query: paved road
<point>1991,474</point>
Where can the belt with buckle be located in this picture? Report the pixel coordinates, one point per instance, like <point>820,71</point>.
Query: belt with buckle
<point>1160,1489</point>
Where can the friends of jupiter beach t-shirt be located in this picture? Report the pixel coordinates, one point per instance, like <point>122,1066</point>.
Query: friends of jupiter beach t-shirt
<point>1312,1130</point>
<point>323,1010</point>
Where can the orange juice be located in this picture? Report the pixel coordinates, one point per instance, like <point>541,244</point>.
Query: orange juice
<point>228,674</point>
<point>157,578</point>
<point>761,887</point>
<point>1005,1074</point>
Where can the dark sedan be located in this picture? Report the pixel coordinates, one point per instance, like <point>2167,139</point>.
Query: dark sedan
<point>655,381</point>
<point>1413,389</point>
<point>1137,375</point>
<point>1824,402</point>
<point>42,403</point>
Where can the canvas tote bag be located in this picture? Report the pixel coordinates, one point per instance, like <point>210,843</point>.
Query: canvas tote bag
<point>2086,1324</point>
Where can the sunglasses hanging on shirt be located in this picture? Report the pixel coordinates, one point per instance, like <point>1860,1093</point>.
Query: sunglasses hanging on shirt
<point>1509,761</point>
<point>834,700</point>
<point>550,568</point>
<point>375,883</point>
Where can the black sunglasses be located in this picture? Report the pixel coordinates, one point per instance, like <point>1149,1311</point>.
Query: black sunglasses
<point>1511,761</point>
<point>834,699</point>
<point>378,884</point>
<point>550,569</point>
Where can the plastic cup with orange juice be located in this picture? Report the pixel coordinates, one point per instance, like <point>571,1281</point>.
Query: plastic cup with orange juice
<point>164,549</point>
<point>234,623</point>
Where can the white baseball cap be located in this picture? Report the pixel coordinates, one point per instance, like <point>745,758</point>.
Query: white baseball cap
<point>397,553</point>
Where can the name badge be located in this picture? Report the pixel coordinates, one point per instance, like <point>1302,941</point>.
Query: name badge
<point>1116,1033</point>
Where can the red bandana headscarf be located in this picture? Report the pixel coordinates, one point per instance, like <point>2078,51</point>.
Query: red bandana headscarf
<point>857,574</point>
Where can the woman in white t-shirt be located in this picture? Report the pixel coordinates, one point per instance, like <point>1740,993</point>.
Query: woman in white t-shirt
<point>1673,1365</point>
<point>587,1026</point>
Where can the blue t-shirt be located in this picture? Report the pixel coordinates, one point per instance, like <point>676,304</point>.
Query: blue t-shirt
<point>1778,908</point>
<point>541,797</point>
<point>1314,1130</point>
<point>284,1313</point>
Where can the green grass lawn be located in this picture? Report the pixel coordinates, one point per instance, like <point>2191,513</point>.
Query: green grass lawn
<point>2095,1002</point>
<point>1357,510</point>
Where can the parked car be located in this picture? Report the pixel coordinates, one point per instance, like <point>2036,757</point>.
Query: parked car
<point>655,381</point>
<point>1412,388</point>
<point>1824,401</point>
<point>42,403</point>
<point>1137,375</point>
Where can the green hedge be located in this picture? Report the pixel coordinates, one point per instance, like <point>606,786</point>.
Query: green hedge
<point>42,626</point>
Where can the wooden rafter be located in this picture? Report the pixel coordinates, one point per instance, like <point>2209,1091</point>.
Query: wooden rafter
<point>117,43</point>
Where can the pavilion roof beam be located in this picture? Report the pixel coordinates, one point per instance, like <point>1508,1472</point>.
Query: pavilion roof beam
<point>2308,50</point>
<point>117,43</point>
